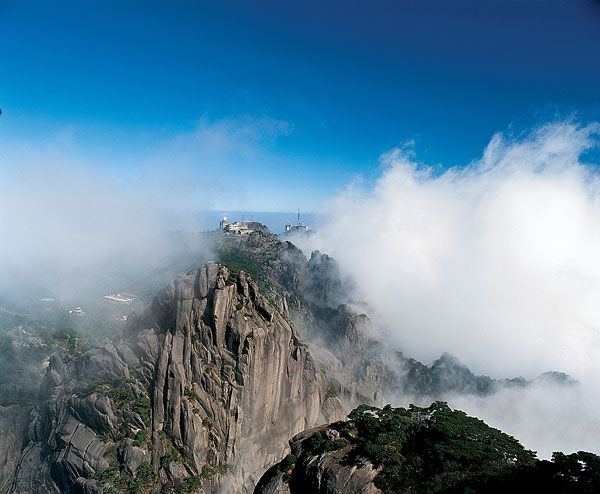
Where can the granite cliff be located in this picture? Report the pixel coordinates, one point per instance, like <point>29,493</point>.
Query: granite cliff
<point>201,392</point>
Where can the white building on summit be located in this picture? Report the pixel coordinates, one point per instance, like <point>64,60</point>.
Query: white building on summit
<point>298,227</point>
<point>236,227</point>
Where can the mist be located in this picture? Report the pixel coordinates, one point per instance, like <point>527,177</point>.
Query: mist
<point>496,262</point>
<point>543,416</point>
<point>73,231</point>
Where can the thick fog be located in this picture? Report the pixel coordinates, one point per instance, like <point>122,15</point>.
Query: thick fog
<point>73,210</point>
<point>68,229</point>
<point>496,262</point>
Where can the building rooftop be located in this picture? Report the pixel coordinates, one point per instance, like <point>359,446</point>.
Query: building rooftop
<point>236,227</point>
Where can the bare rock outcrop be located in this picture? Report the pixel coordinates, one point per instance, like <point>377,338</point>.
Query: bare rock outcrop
<point>201,394</point>
<point>13,424</point>
<point>319,472</point>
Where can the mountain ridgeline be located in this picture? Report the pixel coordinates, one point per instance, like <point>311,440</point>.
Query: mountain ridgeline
<point>205,386</point>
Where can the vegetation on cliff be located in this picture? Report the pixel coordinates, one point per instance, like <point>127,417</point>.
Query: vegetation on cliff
<point>432,449</point>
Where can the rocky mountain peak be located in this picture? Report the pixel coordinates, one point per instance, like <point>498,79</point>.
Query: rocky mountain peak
<point>204,389</point>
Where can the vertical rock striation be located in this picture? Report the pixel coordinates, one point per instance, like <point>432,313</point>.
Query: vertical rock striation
<point>201,393</point>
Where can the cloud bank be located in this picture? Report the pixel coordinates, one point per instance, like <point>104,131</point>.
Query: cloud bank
<point>70,218</point>
<point>544,417</point>
<point>496,262</point>
<point>72,209</point>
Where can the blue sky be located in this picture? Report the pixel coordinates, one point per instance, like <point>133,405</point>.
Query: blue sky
<point>270,105</point>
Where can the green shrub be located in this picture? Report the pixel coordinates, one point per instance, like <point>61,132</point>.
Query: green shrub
<point>207,472</point>
<point>190,484</point>
<point>237,261</point>
<point>190,394</point>
<point>105,438</point>
<point>110,474</point>
<point>422,449</point>
<point>140,438</point>
<point>120,395</point>
<point>332,392</point>
<point>145,472</point>
<point>288,462</point>
<point>172,455</point>
<point>143,407</point>
<point>319,443</point>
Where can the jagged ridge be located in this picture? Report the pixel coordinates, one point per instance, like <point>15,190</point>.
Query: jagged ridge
<point>210,378</point>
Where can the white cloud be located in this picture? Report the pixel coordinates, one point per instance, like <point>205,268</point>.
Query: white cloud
<point>68,204</point>
<point>544,417</point>
<point>496,262</point>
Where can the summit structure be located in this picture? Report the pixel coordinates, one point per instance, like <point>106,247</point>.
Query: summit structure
<point>298,227</point>
<point>236,227</point>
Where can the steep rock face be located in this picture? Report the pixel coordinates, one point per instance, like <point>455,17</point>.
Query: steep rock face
<point>13,424</point>
<point>231,376</point>
<point>322,283</point>
<point>201,393</point>
<point>305,470</point>
<point>361,363</point>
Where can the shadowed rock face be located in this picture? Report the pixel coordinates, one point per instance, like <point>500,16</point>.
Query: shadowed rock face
<point>203,391</point>
<point>13,424</point>
<point>328,472</point>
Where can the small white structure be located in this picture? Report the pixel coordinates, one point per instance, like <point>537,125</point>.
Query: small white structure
<point>124,298</point>
<point>77,311</point>
<point>299,227</point>
<point>47,299</point>
<point>223,223</point>
<point>236,227</point>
